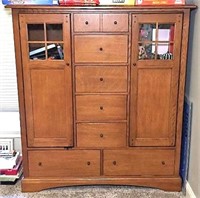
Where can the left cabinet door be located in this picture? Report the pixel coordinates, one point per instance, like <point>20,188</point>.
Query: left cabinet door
<point>46,58</point>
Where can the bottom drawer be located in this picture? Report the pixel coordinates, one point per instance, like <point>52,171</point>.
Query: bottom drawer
<point>63,163</point>
<point>140,162</point>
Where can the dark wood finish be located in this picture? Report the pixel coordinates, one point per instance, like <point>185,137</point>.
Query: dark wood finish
<point>95,79</point>
<point>95,135</point>
<point>139,162</point>
<point>100,115</point>
<point>67,163</point>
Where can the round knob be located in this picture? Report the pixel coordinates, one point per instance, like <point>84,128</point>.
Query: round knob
<point>101,135</point>
<point>101,49</point>
<point>101,107</point>
<point>86,23</point>
<point>134,64</point>
<point>115,22</point>
<point>88,163</point>
<point>163,162</point>
<point>114,163</point>
<point>40,164</point>
<point>67,64</point>
<point>101,79</point>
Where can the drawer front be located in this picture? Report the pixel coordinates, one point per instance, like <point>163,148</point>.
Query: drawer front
<point>100,107</point>
<point>55,163</point>
<point>101,48</point>
<point>101,134</point>
<point>86,22</point>
<point>140,162</point>
<point>101,79</point>
<point>115,22</point>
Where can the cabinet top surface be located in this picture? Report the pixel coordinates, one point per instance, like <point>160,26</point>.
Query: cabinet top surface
<point>100,7</point>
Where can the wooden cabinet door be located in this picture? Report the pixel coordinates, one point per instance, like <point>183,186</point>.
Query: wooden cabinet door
<point>45,40</point>
<point>156,41</point>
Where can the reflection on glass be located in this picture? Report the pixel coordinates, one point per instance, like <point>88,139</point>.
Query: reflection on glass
<point>146,51</point>
<point>165,51</point>
<point>146,32</point>
<point>166,32</point>
<point>55,51</point>
<point>37,51</point>
<point>35,32</point>
<point>54,32</point>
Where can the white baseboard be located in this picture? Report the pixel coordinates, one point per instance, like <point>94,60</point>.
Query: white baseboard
<point>189,191</point>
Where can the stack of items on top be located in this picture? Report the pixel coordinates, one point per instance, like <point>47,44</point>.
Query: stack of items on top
<point>78,2</point>
<point>10,167</point>
<point>160,2</point>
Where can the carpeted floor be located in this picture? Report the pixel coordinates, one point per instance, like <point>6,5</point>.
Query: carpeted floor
<point>10,191</point>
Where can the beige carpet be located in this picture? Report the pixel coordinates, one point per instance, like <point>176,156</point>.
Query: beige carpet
<point>10,191</point>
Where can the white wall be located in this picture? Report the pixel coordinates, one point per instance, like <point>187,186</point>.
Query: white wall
<point>193,93</point>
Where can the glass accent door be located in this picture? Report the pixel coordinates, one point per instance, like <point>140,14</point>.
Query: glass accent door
<point>45,41</point>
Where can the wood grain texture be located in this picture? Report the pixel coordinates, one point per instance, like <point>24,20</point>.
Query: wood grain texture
<point>101,48</point>
<point>101,135</point>
<point>125,119</point>
<point>163,183</point>
<point>101,107</point>
<point>138,162</point>
<point>95,79</point>
<point>68,163</point>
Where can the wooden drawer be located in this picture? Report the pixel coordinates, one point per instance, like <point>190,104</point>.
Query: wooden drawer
<point>86,22</point>
<point>100,107</point>
<point>101,134</point>
<point>101,48</point>
<point>62,163</point>
<point>115,23</point>
<point>101,79</point>
<point>141,162</point>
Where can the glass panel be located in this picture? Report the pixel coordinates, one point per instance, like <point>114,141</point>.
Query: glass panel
<point>147,32</point>
<point>54,32</point>
<point>55,51</point>
<point>35,32</point>
<point>165,51</point>
<point>37,51</point>
<point>166,32</point>
<point>146,51</point>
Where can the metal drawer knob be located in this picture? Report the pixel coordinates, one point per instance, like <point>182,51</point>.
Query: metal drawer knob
<point>86,23</point>
<point>115,22</point>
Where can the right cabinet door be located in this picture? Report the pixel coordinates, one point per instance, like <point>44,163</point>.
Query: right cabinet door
<point>156,42</point>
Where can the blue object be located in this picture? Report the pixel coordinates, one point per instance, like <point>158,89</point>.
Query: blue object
<point>30,2</point>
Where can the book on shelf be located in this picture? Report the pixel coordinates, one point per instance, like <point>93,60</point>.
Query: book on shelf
<point>78,2</point>
<point>30,2</point>
<point>160,2</point>
<point>14,170</point>
<point>9,161</point>
<point>11,178</point>
<point>117,2</point>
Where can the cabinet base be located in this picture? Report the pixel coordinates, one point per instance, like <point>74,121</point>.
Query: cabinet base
<point>38,184</point>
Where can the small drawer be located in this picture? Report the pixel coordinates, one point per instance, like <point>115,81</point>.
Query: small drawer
<point>140,162</point>
<point>101,48</point>
<point>115,22</point>
<point>86,22</point>
<point>101,79</point>
<point>63,163</point>
<point>101,107</point>
<point>101,135</point>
